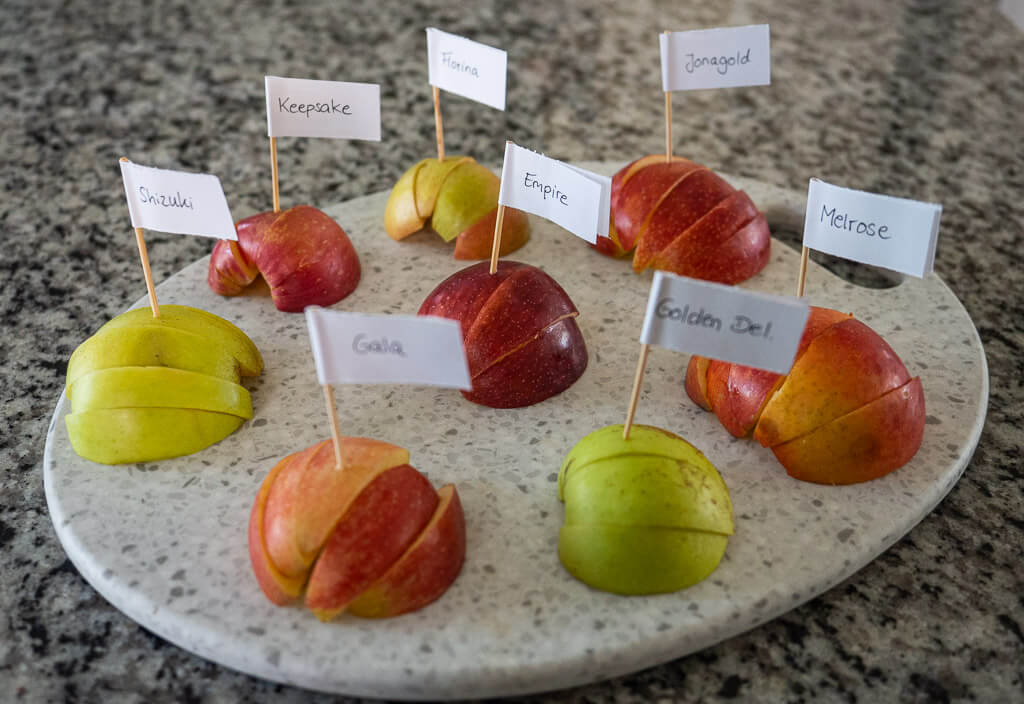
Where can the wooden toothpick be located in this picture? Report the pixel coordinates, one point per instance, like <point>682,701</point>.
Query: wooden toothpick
<point>496,244</point>
<point>332,413</point>
<point>273,174</point>
<point>634,396</point>
<point>668,124</point>
<point>438,127</point>
<point>140,241</point>
<point>803,272</point>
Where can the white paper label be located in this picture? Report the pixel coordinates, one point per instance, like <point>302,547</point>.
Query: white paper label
<point>894,233</point>
<point>574,198</point>
<point>176,201</point>
<point>724,322</point>
<point>298,107</point>
<point>467,68</point>
<point>362,348</point>
<point>726,57</point>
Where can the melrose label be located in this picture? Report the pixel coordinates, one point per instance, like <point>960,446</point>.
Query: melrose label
<point>894,233</point>
<point>574,198</point>
<point>467,68</point>
<point>363,348</point>
<point>298,107</point>
<point>176,201</point>
<point>724,322</point>
<point>726,57</point>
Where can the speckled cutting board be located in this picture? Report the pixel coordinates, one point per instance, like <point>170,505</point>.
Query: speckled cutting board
<point>166,542</point>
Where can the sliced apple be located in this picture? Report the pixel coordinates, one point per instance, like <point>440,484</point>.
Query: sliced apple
<point>641,195</point>
<point>426,569</point>
<point>401,218</point>
<point>124,435</point>
<point>158,387</point>
<point>476,241</point>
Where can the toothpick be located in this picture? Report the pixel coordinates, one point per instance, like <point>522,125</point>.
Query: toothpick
<point>496,244</point>
<point>335,430</point>
<point>803,272</point>
<point>273,174</point>
<point>668,124</point>
<point>634,397</point>
<point>438,127</point>
<point>140,241</point>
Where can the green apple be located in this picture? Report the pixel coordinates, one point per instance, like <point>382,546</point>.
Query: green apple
<point>642,516</point>
<point>159,387</point>
<point>123,435</point>
<point>195,320</point>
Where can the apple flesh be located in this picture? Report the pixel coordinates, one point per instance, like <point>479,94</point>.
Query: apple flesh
<point>642,516</point>
<point>305,257</point>
<point>145,388</point>
<point>458,199</point>
<point>846,412</point>
<point>519,328</point>
<point>339,534</point>
<point>681,217</point>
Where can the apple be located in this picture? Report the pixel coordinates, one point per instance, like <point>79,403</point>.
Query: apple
<point>519,328</point>
<point>642,516</point>
<point>145,388</point>
<point>305,257</point>
<point>846,412</point>
<point>459,199</point>
<point>374,528</point>
<point>681,217</point>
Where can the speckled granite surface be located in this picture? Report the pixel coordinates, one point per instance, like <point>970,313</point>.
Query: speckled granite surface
<point>918,99</point>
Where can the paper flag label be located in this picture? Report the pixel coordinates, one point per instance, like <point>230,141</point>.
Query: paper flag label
<point>894,233</point>
<point>726,57</point>
<point>574,198</point>
<point>176,201</point>
<point>298,107</point>
<point>724,322</point>
<point>467,68</point>
<point>362,348</point>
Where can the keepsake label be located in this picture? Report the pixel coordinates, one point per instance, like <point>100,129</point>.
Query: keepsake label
<point>364,348</point>
<point>894,233</point>
<point>176,201</point>
<point>299,107</point>
<point>724,322</point>
<point>573,198</point>
<point>725,57</point>
<point>467,68</point>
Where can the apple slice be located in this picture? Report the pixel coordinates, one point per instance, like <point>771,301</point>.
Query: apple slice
<point>401,218</point>
<point>158,387</point>
<point>426,569</point>
<point>125,435</point>
<point>430,180</point>
<point>696,381</point>
<point>866,443</point>
<point>470,192</point>
<point>377,528</point>
<point>843,368</point>
<point>641,194</point>
<point>476,242</point>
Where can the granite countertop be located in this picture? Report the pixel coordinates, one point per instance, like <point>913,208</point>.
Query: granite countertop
<point>918,98</point>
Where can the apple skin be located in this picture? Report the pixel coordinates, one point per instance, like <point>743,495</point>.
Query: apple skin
<point>642,516</point>
<point>145,388</point>
<point>847,412</point>
<point>681,217</point>
<point>426,569</point>
<point>339,534</point>
<point>519,329</point>
<point>458,199</point>
<point>304,255</point>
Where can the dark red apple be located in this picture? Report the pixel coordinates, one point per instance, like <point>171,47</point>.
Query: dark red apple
<point>519,327</point>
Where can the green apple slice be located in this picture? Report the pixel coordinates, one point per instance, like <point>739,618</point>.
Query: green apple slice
<point>151,345</point>
<point>400,216</point>
<point>470,192</point>
<point>122,435</point>
<point>429,180</point>
<point>215,329</point>
<point>639,559</point>
<point>159,387</point>
<point>646,490</point>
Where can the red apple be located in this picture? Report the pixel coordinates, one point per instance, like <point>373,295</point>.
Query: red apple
<point>519,327</point>
<point>305,257</point>
<point>846,412</point>
<point>681,217</point>
<point>344,530</point>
